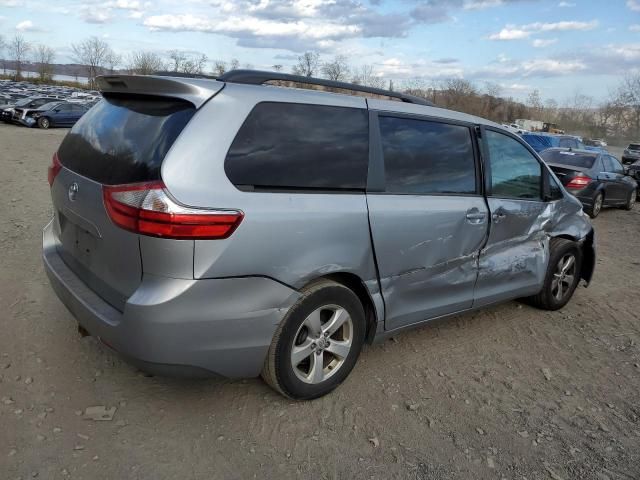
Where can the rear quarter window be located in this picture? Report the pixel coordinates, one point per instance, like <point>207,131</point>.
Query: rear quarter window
<point>300,146</point>
<point>124,139</point>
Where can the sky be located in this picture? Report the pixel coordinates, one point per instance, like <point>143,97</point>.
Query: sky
<point>561,48</point>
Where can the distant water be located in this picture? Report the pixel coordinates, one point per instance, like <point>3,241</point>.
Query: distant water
<point>60,78</point>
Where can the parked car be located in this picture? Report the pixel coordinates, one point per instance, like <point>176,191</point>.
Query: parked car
<point>631,154</point>
<point>595,145</point>
<point>541,141</point>
<point>235,229</point>
<point>596,179</point>
<point>16,112</point>
<point>53,114</point>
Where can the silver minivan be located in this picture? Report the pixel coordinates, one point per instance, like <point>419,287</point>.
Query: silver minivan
<point>232,227</point>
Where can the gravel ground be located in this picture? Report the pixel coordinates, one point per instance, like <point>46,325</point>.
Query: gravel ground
<point>508,392</point>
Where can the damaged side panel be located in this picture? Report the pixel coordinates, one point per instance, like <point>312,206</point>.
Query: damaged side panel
<point>513,262</point>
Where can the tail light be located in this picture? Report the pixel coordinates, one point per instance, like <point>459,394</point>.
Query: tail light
<point>53,169</point>
<point>578,182</point>
<point>147,209</point>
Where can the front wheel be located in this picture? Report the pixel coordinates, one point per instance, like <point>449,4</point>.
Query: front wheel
<point>631,201</point>
<point>317,343</point>
<point>43,122</point>
<point>562,277</point>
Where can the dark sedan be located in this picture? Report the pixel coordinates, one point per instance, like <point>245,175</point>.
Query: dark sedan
<point>53,114</point>
<point>7,112</point>
<point>596,179</point>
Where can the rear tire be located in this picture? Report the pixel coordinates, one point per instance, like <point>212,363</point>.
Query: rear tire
<point>631,201</point>
<point>562,277</point>
<point>44,122</point>
<point>596,206</point>
<point>317,343</point>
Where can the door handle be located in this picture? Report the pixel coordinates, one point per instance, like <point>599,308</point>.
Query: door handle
<point>475,216</point>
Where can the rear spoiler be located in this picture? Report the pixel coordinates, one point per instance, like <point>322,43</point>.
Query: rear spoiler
<point>194,90</point>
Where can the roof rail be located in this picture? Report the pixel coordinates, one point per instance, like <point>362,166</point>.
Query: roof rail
<point>258,77</point>
<point>165,73</point>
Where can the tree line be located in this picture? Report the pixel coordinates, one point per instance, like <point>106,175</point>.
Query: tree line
<point>617,117</point>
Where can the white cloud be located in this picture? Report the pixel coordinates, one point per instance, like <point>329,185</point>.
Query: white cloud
<point>510,34</point>
<point>634,5</point>
<point>513,32</point>
<point>566,4</point>
<point>26,26</point>
<point>541,43</point>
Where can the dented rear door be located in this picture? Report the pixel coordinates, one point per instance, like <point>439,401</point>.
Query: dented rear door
<point>429,219</point>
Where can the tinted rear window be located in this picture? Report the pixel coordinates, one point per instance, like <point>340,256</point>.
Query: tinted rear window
<point>425,157</point>
<point>297,146</point>
<point>634,146</point>
<point>124,139</point>
<point>572,159</point>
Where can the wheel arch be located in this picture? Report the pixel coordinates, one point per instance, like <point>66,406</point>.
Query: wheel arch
<point>354,283</point>
<point>587,247</point>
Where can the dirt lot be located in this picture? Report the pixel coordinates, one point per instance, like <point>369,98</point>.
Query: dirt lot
<point>510,392</point>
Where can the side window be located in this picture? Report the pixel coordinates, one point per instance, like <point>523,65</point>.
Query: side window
<point>515,172</point>
<point>564,143</point>
<point>616,165</point>
<point>555,191</point>
<point>65,107</point>
<point>289,146</point>
<point>427,157</point>
<point>608,164</point>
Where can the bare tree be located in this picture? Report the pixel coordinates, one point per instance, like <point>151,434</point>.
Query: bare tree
<point>534,102</point>
<point>366,75</point>
<point>307,65</point>
<point>44,56</point>
<point>234,64</point>
<point>3,45</point>
<point>219,67</point>
<point>194,65</point>
<point>629,98</point>
<point>112,61</point>
<point>93,53</point>
<point>177,59</point>
<point>277,67</point>
<point>145,63</point>
<point>18,50</point>
<point>337,69</point>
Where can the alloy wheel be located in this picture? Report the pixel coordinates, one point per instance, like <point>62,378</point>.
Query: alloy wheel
<point>563,276</point>
<point>322,344</point>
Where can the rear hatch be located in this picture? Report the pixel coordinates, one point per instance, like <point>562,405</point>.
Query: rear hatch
<point>121,140</point>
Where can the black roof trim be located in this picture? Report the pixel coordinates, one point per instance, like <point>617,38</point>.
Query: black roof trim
<point>258,77</point>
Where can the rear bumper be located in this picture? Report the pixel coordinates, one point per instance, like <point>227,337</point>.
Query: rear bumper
<point>178,327</point>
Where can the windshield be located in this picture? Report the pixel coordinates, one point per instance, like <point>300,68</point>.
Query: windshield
<point>573,159</point>
<point>49,106</point>
<point>23,102</point>
<point>124,139</point>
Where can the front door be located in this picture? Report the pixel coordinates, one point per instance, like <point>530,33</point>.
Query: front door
<point>513,262</point>
<point>430,219</point>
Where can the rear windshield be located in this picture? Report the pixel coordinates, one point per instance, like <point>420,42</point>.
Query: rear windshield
<point>634,146</point>
<point>124,139</point>
<point>572,159</point>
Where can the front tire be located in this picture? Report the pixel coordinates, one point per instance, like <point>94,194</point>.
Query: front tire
<point>317,343</point>
<point>44,122</point>
<point>562,277</point>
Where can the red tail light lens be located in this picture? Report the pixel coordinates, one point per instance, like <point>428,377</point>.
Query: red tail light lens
<point>147,209</point>
<point>579,182</point>
<point>53,169</point>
